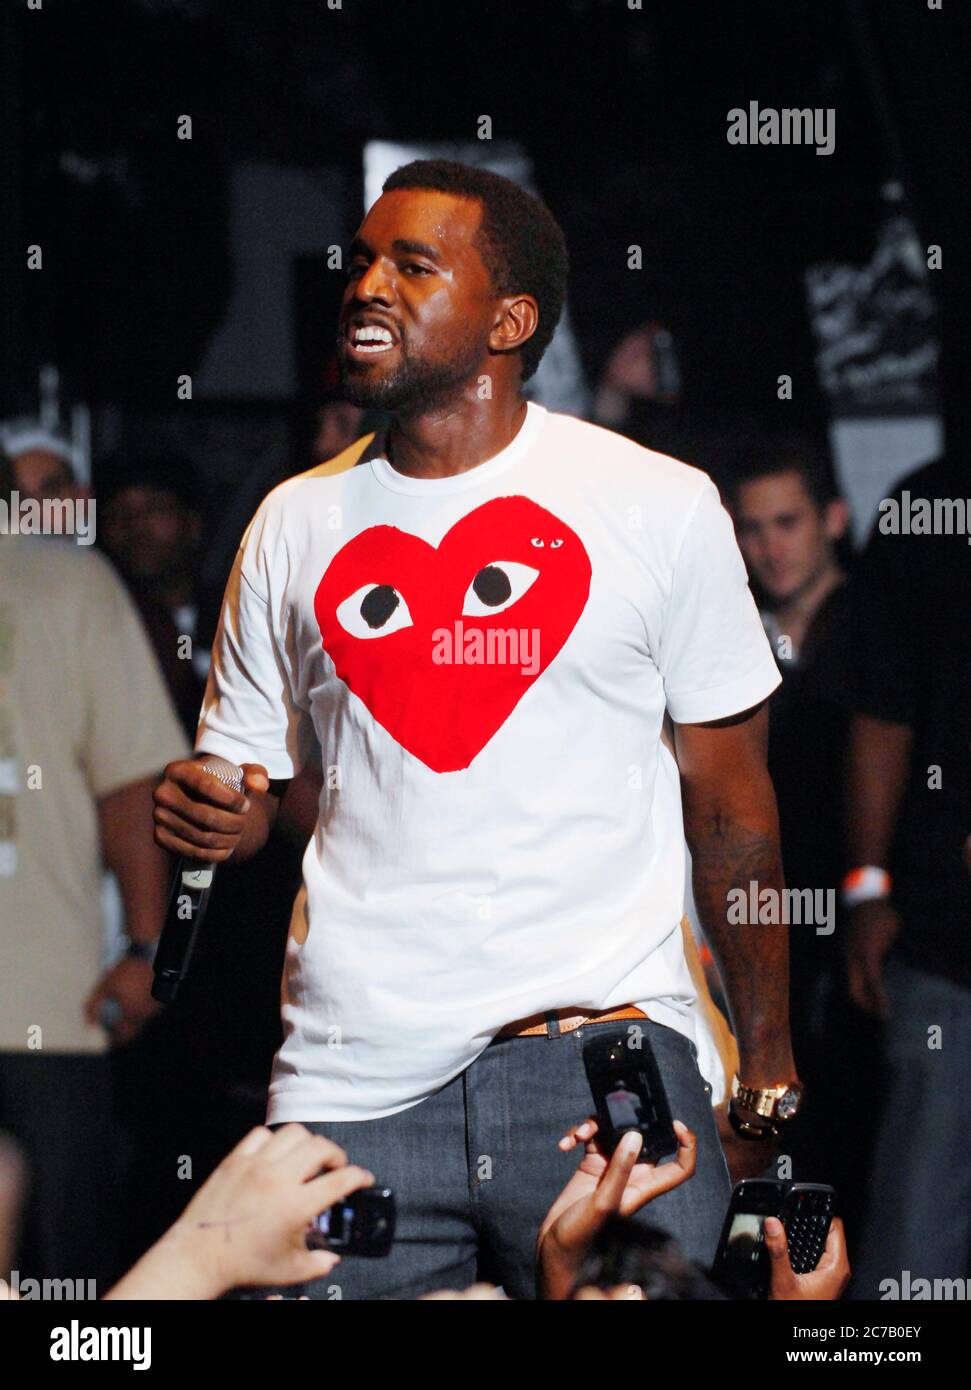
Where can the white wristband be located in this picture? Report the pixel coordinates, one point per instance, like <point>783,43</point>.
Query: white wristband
<point>864,885</point>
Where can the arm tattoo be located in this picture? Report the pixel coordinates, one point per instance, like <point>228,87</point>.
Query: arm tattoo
<point>728,853</point>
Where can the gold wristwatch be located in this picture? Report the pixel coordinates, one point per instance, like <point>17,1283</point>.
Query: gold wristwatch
<point>773,1104</point>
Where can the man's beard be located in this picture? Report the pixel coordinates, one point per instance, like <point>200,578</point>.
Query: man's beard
<point>414,387</point>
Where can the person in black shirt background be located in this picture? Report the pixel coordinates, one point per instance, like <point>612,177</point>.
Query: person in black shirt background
<point>150,515</point>
<point>909,843</point>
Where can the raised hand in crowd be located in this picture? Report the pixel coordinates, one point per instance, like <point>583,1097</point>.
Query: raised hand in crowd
<point>597,1190</point>
<point>247,1224</point>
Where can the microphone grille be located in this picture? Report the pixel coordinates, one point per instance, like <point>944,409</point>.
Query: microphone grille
<point>225,771</point>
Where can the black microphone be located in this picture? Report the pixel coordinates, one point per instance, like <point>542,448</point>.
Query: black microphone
<point>187,903</point>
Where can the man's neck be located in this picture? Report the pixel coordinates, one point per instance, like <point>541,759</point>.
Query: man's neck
<point>455,437</point>
<point>796,614</point>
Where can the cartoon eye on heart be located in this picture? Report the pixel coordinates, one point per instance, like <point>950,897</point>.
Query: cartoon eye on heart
<point>374,610</point>
<point>497,586</point>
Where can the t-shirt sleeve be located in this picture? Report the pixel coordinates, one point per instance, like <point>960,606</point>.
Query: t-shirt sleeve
<point>714,657</point>
<point>249,714</point>
<point>131,730</point>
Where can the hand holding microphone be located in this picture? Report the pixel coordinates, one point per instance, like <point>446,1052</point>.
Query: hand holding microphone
<point>204,812</point>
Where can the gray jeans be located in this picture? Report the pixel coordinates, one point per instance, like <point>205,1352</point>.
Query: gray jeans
<point>475,1167</point>
<point>918,1223</point>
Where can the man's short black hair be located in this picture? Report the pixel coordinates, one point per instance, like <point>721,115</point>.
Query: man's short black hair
<point>158,470</point>
<point>520,241</point>
<point>788,452</point>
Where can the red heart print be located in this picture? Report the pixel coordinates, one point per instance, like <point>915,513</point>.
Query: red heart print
<point>441,643</point>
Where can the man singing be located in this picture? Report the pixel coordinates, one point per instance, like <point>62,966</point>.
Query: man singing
<point>481,620</point>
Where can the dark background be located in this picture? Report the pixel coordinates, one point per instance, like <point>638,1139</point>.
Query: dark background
<point>624,113</point>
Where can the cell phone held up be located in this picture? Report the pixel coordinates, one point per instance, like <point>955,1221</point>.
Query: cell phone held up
<point>628,1093</point>
<point>360,1224</point>
<point>742,1264</point>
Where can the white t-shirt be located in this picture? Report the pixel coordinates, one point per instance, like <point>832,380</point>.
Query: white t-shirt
<point>486,660</point>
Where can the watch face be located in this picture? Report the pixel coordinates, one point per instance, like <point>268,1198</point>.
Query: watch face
<point>787,1104</point>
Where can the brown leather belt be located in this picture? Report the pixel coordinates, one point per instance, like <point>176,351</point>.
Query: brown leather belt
<point>563,1021</point>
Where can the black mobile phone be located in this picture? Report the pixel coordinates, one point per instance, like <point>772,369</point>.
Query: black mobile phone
<point>806,1211</point>
<point>628,1093</point>
<point>361,1224</point>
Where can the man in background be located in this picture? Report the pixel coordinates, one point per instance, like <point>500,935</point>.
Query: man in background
<point>149,525</point>
<point>908,889</point>
<point>85,727</point>
<point>790,522</point>
<point>43,462</point>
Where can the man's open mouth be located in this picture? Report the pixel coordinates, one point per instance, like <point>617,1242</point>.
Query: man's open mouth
<point>369,340</point>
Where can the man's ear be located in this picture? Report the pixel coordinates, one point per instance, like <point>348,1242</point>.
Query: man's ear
<point>518,321</point>
<point>836,518</point>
